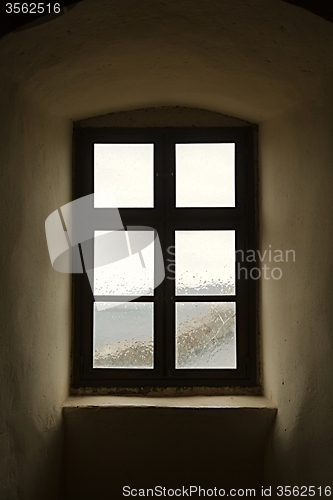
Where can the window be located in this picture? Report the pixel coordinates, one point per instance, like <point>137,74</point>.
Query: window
<point>195,188</point>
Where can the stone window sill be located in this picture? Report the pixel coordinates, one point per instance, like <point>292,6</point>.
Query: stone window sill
<point>223,402</point>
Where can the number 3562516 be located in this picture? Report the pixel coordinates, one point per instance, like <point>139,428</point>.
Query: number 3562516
<point>304,491</point>
<point>32,8</point>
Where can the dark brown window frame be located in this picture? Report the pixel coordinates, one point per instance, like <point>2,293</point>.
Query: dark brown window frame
<point>166,218</point>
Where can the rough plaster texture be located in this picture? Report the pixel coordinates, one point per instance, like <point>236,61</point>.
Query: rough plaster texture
<point>35,155</point>
<point>296,311</point>
<point>260,60</point>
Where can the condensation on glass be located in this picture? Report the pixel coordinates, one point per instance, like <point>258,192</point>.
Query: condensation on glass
<point>131,272</point>
<point>205,175</point>
<point>127,172</point>
<point>206,335</point>
<point>205,262</point>
<point>123,335</point>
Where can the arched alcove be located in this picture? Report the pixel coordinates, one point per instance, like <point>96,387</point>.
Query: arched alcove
<point>263,61</point>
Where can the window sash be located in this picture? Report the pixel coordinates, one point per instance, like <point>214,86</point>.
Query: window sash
<point>166,219</point>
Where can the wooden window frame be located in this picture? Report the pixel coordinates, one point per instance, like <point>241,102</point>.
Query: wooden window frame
<point>166,218</point>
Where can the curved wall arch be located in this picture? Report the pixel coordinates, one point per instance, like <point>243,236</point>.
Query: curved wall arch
<point>258,60</point>
<point>250,59</point>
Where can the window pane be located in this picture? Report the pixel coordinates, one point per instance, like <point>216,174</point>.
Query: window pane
<point>205,262</point>
<point>129,272</point>
<point>205,175</point>
<point>206,335</point>
<point>123,335</point>
<point>127,171</point>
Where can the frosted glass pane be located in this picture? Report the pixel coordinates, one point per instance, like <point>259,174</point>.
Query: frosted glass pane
<point>205,262</point>
<point>206,335</point>
<point>127,171</point>
<point>132,274</point>
<point>123,335</point>
<point>205,175</point>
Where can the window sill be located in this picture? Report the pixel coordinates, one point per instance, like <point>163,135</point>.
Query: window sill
<point>226,402</point>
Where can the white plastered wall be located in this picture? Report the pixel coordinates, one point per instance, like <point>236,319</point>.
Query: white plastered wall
<point>263,61</point>
<point>35,158</point>
<point>296,311</point>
